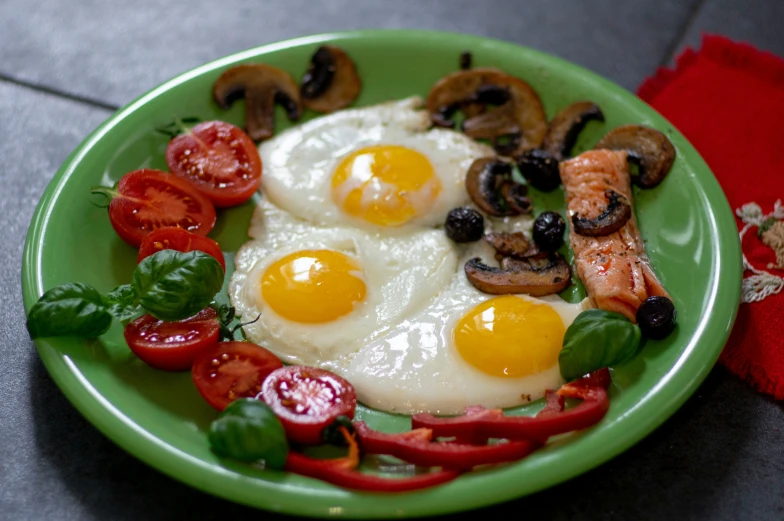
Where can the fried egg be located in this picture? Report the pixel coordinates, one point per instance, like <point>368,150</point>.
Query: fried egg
<point>320,293</point>
<point>465,348</point>
<point>377,168</point>
<point>348,271</point>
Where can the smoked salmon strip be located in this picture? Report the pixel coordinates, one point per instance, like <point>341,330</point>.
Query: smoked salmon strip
<point>614,268</point>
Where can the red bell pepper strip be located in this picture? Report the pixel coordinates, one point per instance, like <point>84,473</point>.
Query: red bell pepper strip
<point>416,447</point>
<point>342,471</point>
<point>491,423</point>
<point>554,404</point>
<point>353,479</point>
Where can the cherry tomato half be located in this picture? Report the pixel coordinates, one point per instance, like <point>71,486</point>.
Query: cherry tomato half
<point>147,199</point>
<point>172,346</point>
<point>174,238</point>
<point>307,399</point>
<point>231,370</point>
<point>219,159</point>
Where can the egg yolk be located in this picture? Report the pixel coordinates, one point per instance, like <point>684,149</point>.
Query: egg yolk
<point>385,184</point>
<point>313,286</point>
<point>510,337</point>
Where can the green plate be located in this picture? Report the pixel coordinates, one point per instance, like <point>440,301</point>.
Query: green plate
<point>160,417</point>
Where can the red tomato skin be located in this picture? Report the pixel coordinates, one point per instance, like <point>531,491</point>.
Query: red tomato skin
<point>219,159</point>
<point>242,371</point>
<point>173,238</point>
<point>133,206</point>
<point>168,354</point>
<point>300,381</point>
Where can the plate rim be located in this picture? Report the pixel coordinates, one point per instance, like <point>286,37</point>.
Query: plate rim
<point>185,468</point>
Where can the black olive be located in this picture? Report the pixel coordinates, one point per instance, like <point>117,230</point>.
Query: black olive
<point>656,317</point>
<point>540,169</point>
<point>465,60</point>
<point>320,73</point>
<point>464,224</point>
<point>549,228</point>
<point>331,434</point>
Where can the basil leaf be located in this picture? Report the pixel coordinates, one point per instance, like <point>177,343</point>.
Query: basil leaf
<point>248,430</point>
<point>70,309</point>
<point>171,285</point>
<point>122,303</point>
<point>596,339</point>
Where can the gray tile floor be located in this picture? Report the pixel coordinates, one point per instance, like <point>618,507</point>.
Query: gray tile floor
<point>64,66</point>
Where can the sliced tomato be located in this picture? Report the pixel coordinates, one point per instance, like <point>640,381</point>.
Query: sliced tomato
<point>174,238</point>
<point>306,400</point>
<point>172,346</point>
<point>147,199</point>
<point>231,370</point>
<point>219,159</point>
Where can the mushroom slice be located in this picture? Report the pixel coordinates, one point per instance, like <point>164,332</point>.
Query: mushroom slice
<point>515,196</point>
<point>509,244</point>
<point>649,149</point>
<point>520,109</point>
<point>536,275</point>
<point>484,181</point>
<point>262,86</point>
<point>331,81</point>
<point>611,220</point>
<point>567,125</point>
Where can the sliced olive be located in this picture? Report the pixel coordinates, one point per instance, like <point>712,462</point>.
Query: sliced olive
<point>540,169</point>
<point>648,148</point>
<point>611,220</point>
<point>656,317</point>
<point>537,275</point>
<point>548,230</point>
<point>567,125</point>
<point>464,224</point>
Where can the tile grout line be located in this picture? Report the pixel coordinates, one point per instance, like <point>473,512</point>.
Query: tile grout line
<point>58,93</point>
<point>675,43</point>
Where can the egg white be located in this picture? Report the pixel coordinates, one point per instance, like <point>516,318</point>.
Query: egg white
<point>415,367</point>
<point>300,162</point>
<point>401,273</point>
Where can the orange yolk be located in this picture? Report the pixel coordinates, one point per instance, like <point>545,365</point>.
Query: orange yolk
<point>385,184</point>
<point>313,286</point>
<point>510,337</point>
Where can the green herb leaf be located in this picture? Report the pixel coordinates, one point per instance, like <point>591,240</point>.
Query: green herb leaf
<point>248,430</point>
<point>171,285</point>
<point>70,309</point>
<point>122,303</point>
<point>596,339</point>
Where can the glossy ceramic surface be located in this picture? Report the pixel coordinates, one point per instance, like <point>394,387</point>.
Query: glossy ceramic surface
<point>160,417</point>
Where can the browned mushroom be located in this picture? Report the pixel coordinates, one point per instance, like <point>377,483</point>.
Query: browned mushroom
<point>509,244</point>
<point>515,194</point>
<point>649,149</point>
<point>537,275</point>
<point>262,86</point>
<point>331,81</point>
<point>485,183</point>
<point>567,125</point>
<point>519,110</point>
<point>611,220</point>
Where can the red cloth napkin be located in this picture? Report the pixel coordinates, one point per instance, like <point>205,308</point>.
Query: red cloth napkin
<point>728,100</point>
